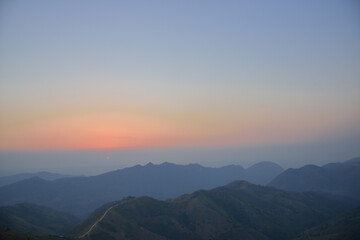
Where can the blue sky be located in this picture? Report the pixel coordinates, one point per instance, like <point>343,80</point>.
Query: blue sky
<point>77,75</point>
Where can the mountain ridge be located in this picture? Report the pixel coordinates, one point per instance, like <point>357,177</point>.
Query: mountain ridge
<point>237,210</point>
<point>338,178</point>
<point>81,195</point>
<point>6,180</point>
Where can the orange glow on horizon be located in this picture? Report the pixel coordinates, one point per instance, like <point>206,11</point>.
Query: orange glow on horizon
<point>109,131</point>
<point>96,130</point>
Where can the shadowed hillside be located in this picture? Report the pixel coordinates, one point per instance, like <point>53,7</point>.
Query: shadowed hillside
<point>38,220</point>
<point>338,178</point>
<point>11,235</point>
<point>344,227</point>
<point>239,210</point>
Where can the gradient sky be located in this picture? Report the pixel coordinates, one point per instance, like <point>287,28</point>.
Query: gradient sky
<point>124,74</point>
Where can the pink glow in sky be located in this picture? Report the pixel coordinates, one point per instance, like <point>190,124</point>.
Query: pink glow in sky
<point>134,74</point>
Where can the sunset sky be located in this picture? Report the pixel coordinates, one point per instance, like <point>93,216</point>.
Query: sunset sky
<point>99,75</point>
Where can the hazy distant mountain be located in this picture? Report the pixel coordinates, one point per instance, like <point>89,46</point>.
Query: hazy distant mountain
<point>5,180</point>
<point>81,195</point>
<point>345,227</point>
<point>239,210</point>
<point>38,220</point>
<point>262,173</point>
<point>339,178</point>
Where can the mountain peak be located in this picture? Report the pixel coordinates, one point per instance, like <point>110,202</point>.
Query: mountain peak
<point>263,172</point>
<point>166,164</point>
<point>266,164</point>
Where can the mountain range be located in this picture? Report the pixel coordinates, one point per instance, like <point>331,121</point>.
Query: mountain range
<point>337,178</point>
<point>239,210</point>
<point>81,195</point>
<point>142,202</point>
<point>6,180</point>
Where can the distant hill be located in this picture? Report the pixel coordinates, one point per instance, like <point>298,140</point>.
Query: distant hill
<point>345,227</point>
<point>338,178</point>
<point>239,210</point>
<point>5,180</point>
<point>38,220</point>
<point>81,195</point>
<point>262,173</point>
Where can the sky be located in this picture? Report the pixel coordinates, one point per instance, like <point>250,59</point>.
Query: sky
<point>179,77</point>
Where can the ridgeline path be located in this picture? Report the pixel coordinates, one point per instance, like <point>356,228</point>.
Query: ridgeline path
<point>101,218</point>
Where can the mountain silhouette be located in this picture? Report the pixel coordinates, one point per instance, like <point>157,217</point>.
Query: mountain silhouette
<point>81,195</point>
<point>5,180</point>
<point>239,210</point>
<point>337,178</point>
